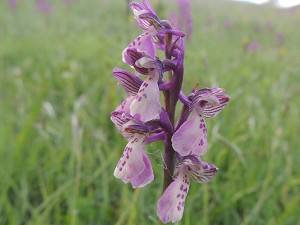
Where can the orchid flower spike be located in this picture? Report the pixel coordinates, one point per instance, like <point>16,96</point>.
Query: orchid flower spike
<point>142,119</point>
<point>134,165</point>
<point>170,206</point>
<point>191,137</point>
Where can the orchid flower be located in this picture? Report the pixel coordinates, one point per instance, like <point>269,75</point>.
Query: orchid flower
<point>145,104</point>
<point>154,31</point>
<point>134,165</point>
<point>170,206</point>
<point>191,137</point>
<point>150,23</point>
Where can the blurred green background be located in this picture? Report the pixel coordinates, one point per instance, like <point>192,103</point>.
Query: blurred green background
<point>58,147</point>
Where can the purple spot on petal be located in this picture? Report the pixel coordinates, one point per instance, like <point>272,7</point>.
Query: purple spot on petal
<point>201,142</point>
<point>182,196</point>
<point>181,187</point>
<point>178,208</point>
<point>178,196</point>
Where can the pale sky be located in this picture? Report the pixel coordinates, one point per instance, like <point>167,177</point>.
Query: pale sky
<point>278,3</point>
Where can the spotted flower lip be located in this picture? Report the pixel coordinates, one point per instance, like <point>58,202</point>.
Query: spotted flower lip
<point>134,165</point>
<point>191,137</point>
<point>146,104</point>
<point>170,206</point>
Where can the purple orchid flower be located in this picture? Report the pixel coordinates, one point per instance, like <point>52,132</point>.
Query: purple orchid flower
<point>191,137</point>
<point>144,15</point>
<point>170,206</point>
<point>146,104</point>
<point>154,33</point>
<point>134,165</point>
<point>142,119</point>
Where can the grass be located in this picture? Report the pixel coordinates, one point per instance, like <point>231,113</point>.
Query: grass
<point>58,148</point>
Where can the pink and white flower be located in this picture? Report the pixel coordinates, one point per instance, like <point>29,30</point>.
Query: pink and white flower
<point>134,165</point>
<point>170,206</point>
<point>191,137</point>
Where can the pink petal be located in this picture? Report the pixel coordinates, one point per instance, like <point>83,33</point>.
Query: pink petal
<point>170,206</point>
<point>142,44</point>
<point>125,105</point>
<point>146,176</point>
<point>191,137</point>
<point>146,103</point>
<point>131,163</point>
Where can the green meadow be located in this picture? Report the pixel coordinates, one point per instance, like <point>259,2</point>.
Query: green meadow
<point>58,147</point>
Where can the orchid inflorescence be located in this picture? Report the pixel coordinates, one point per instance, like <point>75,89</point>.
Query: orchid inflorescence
<point>142,119</point>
